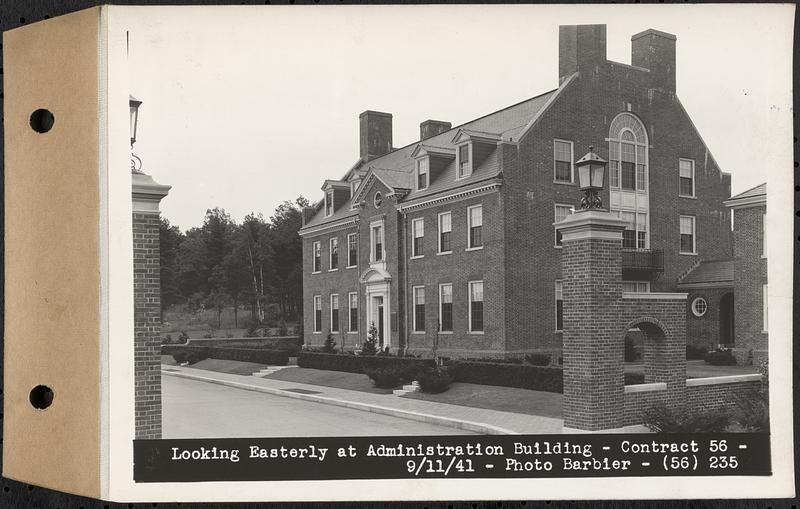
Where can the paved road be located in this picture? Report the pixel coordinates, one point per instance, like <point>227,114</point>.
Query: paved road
<point>195,409</point>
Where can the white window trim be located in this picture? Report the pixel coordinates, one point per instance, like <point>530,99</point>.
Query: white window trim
<point>338,309</point>
<point>330,254</point>
<point>314,256</point>
<point>637,282</point>
<point>327,194</point>
<point>694,173</point>
<point>348,250</point>
<point>442,285</point>
<point>349,314</point>
<point>469,228</point>
<point>372,226</point>
<point>439,233</point>
<point>571,162</point>
<point>695,311</point>
<point>414,238</point>
<point>555,209</point>
<point>469,308</point>
<point>317,298</point>
<point>694,237</point>
<point>414,310</point>
<point>428,173</point>
<point>555,303</point>
<point>470,164</point>
<point>764,308</point>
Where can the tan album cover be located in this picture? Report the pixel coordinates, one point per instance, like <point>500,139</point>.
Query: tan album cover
<point>420,252</point>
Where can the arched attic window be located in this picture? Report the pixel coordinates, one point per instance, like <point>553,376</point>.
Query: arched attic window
<point>627,149</point>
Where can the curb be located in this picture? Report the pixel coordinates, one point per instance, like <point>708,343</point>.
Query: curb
<point>486,429</point>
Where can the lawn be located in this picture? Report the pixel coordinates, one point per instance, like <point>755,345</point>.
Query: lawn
<point>220,366</point>
<point>699,369</point>
<point>325,378</point>
<point>491,397</point>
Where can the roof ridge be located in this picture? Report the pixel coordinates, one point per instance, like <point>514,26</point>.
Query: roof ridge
<point>738,195</point>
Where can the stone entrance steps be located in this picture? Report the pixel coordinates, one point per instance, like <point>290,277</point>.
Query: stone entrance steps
<point>270,370</point>
<point>412,387</point>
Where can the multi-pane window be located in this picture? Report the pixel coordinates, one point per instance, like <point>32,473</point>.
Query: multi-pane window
<point>635,234</point>
<point>636,286</point>
<point>476,306</point>
<point>419,309</point>
<point>562,155</point>
<point>377,242</point>
<point>352,250</point>
<point>628,161</point>
<point>627,154</point>
<point>562,212</point>
<point>354,186</point>
<point>464,168</point>
<point>317,313</point>
<point>334,313</point>
<point>559,306</point>
<point>687,234</point>
<point>445,228</point>
<point>418,230</point>
<point>686,169</point>
<point>475,226</point>
<point>352,324</point>
<point>334,254</point>
<point>328,203</point>
<point>446,307</point>
<point>316,249</point>
<point>422,173</point>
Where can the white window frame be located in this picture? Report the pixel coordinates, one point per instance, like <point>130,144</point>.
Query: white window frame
<point>419,168</point>
<point>640,286</point>
<point>350,312</point>
<point>441,303</point>
<point>765,308</point>
<point>414,223</point>
<point>556,292</point>
<point>571,162</point>
<point>470,162</point>
<point>329,203</point>
<point>697,312</point>
<point>372,226</point>
<point>414,290</point>
<point>694,173</point>
<point>354,235</point>
<point>694,236</point>
<point>338,303</point>
<point>317,326</point>
<point>354,186</point>
<point>555,218</point>
<point>470,247</point>
<point>330,254</point>
<point>439,233</point>
<point>469,306</point>
<point>316,246</point>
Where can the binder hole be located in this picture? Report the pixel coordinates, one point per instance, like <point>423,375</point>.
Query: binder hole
<point>42,120</point>
<point>41,397</point>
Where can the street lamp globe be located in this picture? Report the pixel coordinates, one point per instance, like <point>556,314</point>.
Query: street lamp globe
<point>591,172</point>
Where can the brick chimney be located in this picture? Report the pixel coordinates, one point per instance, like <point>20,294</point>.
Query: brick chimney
<point>655,50</point>
<point>375,137</point>
<point>580,48</point>
<point>431,128</point>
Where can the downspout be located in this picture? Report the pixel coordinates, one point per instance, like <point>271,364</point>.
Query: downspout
<point>405,282</point>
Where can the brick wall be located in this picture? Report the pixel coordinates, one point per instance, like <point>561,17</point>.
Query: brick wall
<point>750,274</point>
<point>147,325</point>
<point>704,398</point>
<point>705,331</point>
<point>637,403</point>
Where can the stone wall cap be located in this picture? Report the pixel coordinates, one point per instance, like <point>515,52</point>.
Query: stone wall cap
<point>652,387</point>
<point>591,218</point>
<point>654,295</point>
<point>144,185</point>
<point>717,380</point>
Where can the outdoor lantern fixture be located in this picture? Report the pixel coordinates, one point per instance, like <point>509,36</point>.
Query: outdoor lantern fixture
<point>591,171</point>
<point>134,103</point>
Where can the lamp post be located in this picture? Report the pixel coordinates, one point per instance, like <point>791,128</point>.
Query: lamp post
<point>591,172</point>
<point>136,162</point>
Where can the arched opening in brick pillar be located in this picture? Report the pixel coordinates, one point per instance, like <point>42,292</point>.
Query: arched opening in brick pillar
<point>647,337</point>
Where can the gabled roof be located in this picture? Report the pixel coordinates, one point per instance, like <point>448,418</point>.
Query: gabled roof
<point>709,274</point>
<point>396,169</point>
<point>754,196</point>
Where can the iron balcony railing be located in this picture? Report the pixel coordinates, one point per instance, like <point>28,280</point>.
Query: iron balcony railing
<point>651,260</point>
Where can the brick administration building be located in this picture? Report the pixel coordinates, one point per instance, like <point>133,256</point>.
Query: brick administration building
<point>450,239</point>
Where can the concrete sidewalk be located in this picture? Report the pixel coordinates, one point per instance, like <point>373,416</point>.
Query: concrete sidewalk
<point>490,422</point>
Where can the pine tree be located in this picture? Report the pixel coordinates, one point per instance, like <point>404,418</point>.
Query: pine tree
<point>330,344</point>
<point>370,347</point>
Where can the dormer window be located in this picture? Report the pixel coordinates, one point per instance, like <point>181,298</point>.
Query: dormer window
<point>423,166</point>
<point>464,160</point>
<point>329,203</point>
<point>353,186</point>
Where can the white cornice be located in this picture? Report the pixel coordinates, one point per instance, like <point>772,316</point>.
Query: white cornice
<point>449,197</point>
<point>750,201</point>
<point>327,226</point>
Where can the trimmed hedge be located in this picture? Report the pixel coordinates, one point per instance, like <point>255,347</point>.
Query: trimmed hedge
<point>720,358</point>
<point>523,376</point>
<point>258,355</point>
<point>291,344</point>
<point>357,363</point>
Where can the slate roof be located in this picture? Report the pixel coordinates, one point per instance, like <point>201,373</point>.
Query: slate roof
<point>709,273</point>
<point>396,169</point>
<point>759,190</point>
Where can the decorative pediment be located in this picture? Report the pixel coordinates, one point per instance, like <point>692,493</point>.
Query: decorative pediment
<point>422,150</point>
<point>335,185</point>
<point>464,135</point>
<point>375,274</point>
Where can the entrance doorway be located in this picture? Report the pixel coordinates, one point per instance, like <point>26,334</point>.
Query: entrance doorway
<point>377,318</point>
<point>726,323</point>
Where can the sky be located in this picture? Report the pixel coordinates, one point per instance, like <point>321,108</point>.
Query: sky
<point>245,107</point>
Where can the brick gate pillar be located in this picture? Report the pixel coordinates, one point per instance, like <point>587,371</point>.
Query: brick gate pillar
<point>594,381</point>
<point>147,195</point>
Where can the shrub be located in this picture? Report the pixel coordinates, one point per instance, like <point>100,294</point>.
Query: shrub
<point>167,339</point>
<point>183,337</point>
<point>258,355</point>
<point>695,353</point>
<point>720,357</point>
<point>661,419</point>
<point>357,363</point>
<point>283,330</point>
<point>385,378</point>
<point>330,344</point>
<point>370,346</point>
<point>523,376</point>
<point>631,353</point>
<point>538,359</point>
<point>435,381</point>
<point>252,330</point>
<point>186,354</point>
<point>209,334</point>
